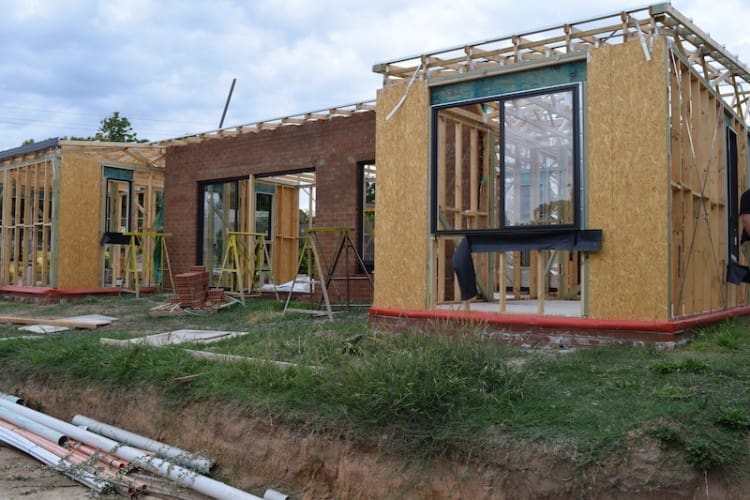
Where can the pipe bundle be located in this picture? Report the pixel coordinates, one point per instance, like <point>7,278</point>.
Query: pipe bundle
<point>101,460</point>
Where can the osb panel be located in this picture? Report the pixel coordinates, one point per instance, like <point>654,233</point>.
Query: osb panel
<point>286,229</point>
<point>79,222</point>
<point>628,182</point>
<point>402,157</point>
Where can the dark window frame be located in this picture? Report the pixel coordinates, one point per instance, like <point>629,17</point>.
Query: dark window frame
<point>501,229</point>
<point>369,263</point>
<point>201,210</point>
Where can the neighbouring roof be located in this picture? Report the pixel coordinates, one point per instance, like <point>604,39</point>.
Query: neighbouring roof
<point>26,149</point>
<point>724,72</point>
<point>299,119</point>
<point>144,153</point>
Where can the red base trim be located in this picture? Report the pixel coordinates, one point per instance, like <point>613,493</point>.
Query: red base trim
<point>562,322</point>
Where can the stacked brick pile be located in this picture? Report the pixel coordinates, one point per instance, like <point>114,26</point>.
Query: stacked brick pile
<point>193,292</point>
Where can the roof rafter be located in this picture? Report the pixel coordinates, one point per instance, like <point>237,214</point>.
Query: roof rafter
<point>727,75</point>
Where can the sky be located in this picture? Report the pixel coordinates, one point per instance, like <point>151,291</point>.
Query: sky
<point>168,65</point>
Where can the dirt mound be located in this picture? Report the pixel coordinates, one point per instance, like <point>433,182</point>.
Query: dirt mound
<point>257,454</point>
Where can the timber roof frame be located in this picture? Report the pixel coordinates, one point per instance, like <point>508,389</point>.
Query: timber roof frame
<point>149,154</point>
<point>724,72</point>
<point>271,124</point>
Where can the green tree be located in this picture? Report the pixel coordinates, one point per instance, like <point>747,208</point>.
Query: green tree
<point>116,128</point>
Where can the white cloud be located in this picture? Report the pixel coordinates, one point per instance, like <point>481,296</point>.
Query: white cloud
<point>167,64</point>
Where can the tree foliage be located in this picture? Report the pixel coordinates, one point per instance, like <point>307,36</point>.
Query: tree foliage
<point>114,128</point>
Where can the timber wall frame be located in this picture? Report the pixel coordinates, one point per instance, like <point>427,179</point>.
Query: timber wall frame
<point>661,103</point>
<point>52,209</point>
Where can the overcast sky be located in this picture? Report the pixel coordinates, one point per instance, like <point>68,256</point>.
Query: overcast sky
<point>167,65</point>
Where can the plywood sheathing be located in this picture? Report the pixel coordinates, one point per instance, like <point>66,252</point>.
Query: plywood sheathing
<point>286,232</point>
<point>402,197</point>
<point>627,179</point>
<point>79,222</point>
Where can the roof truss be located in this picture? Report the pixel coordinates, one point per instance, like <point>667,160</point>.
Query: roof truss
<point>729,77</point>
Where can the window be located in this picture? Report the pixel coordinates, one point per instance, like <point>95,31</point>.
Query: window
<point>507,163</point>
<point>538,159</point>
<point>219,216</point>
<point>367,214</point>
<point>119,188</point>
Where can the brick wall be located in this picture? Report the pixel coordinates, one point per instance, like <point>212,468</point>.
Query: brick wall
<point>333,147</point>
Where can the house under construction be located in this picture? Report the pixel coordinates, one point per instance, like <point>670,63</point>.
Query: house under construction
<point>79,217</point>
<point>245,201</point>
<point>584,176</point>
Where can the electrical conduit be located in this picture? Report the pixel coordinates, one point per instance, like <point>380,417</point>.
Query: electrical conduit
<point>176,455</point>
<point>180,475</point>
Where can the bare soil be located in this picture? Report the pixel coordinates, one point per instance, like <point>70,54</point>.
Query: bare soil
<point>22,477</point>
<point>257,454</point>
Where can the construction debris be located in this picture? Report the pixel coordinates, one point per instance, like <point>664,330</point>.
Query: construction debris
<point>93,321</point>
<point>106,464</point>
<point>176,337</point>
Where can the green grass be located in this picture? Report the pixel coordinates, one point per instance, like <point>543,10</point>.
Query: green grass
<point>411,393</point>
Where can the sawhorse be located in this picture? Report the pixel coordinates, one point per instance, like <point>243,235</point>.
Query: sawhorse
<point>237,261</point>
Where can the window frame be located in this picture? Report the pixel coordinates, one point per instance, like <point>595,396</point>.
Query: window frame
<point>361,166</point>
<point>500,228</point>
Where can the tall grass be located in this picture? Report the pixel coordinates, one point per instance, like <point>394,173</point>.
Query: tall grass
<point>415,393</point>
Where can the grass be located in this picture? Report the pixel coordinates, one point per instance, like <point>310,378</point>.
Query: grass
<point>416,394</point>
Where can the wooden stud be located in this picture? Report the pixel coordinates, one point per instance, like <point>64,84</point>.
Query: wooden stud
<point>501,270</point>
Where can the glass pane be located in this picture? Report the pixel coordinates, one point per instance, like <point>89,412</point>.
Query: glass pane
<point>538,154</point>
<point>263,211</point>
<point>368,213</point>
<point>220,204</point>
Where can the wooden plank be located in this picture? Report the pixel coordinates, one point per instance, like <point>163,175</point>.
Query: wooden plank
<point>5,230</point>
<point>501,271</point>
<point>540,283</point>
<point>17,230</point>
<point>458,189</point>
<point>46,223</point>
<point>441,195</point>
<point>53,322</point>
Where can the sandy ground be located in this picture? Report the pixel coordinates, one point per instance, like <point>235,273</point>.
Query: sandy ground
<point>24,477</point>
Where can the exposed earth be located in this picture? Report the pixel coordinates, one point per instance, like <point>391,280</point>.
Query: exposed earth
<point>255,455</point>
<point>22,477</point>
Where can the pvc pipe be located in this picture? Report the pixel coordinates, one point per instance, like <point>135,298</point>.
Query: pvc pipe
<point>176,455</point>
<point>274,495</point>
<point>103,457</point>
<point>14,399</point>
<point>50,459</point>
<point>180,475</point>
<point>14,418</point>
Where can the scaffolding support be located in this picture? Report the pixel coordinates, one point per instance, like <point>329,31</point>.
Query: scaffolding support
<point>131,271</point>
<point>246,255</point>
<point>345,246</point>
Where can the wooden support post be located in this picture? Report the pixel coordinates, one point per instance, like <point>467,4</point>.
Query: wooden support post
<point>458,188</point>
<point>540,287</point>
<point>501,283</point>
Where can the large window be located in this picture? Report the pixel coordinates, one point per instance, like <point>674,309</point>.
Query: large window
<point>507,163</point>
<point>538,159</point>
